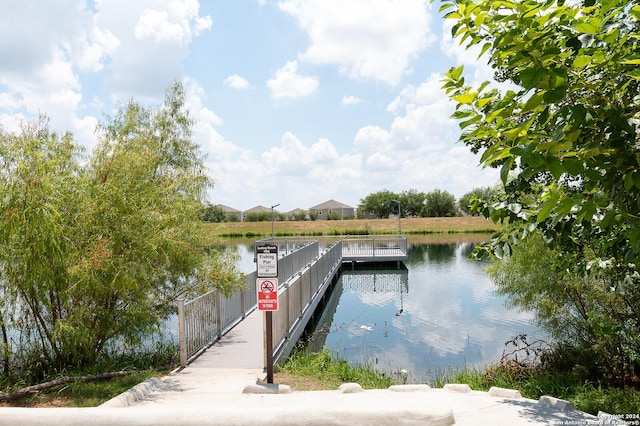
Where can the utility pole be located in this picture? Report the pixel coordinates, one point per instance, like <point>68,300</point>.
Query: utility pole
<point>399,226</point>
<point>275,205</point>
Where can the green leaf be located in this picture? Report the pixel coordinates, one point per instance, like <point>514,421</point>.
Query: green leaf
<point>581,61</point>
<point>555,167</point>
<point>465,98</point>
<point>587,28</point>
<point>636,179</point>
<point>628,181</point>
<point>555,95</point>
<point>533,102</point>
<point>505,169</point>
<point>467,123</point>
<point>633,74</point>
<point>587,211</point>
<point>564,208</point>
<point>484,49</point>
<point>530,77</point>
<point>455,73</point>
<point>573,167</point>
<point>547,207</point>
<point>445,7</point>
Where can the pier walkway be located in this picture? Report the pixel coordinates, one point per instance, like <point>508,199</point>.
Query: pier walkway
<point>223,384</point>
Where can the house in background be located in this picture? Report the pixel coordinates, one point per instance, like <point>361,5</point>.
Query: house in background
<point>367,215</point>
<point>297,214</point>
<point>258,213</point>
<point>232,215</point>
<point>332,209</point>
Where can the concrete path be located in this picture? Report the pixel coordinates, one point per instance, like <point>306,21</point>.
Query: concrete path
<point>221,388</point>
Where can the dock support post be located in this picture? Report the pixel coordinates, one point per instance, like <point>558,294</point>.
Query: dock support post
<point>182,334</point>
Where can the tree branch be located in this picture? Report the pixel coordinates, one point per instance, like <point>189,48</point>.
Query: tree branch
<point>12,396</point>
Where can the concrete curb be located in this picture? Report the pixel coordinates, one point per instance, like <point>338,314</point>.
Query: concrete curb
<point>135,394</point>
<point>268,404</point>
<point>267,388</point>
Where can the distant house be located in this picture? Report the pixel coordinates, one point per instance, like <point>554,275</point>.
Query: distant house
<point>332,209</point>
<point>367,215</point>
<point>297,214</point>
<point>232,215</point>
<point>258,213</point>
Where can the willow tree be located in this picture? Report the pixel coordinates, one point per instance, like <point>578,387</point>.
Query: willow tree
<point>568,132</point>
<point>95,249</point>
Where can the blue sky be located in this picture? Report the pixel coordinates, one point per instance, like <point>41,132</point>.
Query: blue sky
<point>296,101</point>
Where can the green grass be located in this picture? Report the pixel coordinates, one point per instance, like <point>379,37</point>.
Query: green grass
<point>410,226</point>
<point>85,394</point>
<point>533,384</point>
<point>155,360</point>
<point>319,371</point>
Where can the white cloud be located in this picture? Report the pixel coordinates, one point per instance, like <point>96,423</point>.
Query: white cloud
<point>42,52</point>
<point>154,40</point>
<point>287,83</point>
<point>179,23</point>
<point>368,39</point>
<point>350,100</point>
<point>237,82</point>
<point>419,150</point>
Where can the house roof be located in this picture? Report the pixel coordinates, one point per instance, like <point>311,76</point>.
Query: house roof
<point>259,209</point>
<point>294,211</point>
<point>227,209</point>
<point>330,204</point>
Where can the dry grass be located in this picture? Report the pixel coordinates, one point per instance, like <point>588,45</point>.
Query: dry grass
<point>414,226</point>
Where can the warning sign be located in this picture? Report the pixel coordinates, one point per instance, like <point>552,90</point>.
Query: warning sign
<point>267,294</point>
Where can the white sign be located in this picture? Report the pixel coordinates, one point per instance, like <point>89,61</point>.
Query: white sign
<point>267,261</point>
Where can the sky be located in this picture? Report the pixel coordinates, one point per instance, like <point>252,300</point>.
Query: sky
<point>296,101</point>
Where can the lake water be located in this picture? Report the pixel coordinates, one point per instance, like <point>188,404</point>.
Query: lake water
<point>437,313</point>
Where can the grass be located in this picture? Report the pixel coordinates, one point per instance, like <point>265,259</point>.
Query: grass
<point>305,371</point>
<point>534,383</point>
<point>89,394</point>
<point>153,360</point>
<point>412,226</point>
<point>308,371</point>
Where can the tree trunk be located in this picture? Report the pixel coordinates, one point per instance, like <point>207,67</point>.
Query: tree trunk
<point>5,347</point>
<point>12,396</point>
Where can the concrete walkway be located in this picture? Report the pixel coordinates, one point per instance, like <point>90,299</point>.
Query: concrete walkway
<point>220,388</point>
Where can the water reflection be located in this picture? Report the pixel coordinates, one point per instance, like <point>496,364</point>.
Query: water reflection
<point>438,313</point>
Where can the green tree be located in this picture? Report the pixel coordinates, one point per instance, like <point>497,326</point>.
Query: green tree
<point>300,215</point>
<point>571,121</point>
<point>211,213</point>
<point>94,251</point>
<point>578,311</point>
<point>439,203</point>
<point>477,196</point>
<point>379,203</point>
<point>568,130</point>
<point>412,202</point>
<point>259,217</point>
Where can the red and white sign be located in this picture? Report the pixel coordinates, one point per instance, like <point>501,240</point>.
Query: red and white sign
<point>267,294</point>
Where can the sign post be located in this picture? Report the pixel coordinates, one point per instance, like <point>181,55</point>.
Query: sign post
<point>267,288</point>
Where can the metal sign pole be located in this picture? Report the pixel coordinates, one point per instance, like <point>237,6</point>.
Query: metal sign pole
<point>269,331</point>
<point>267,265</point>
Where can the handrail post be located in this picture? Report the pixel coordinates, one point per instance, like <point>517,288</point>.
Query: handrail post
<point>243,303</point>
<point>182,333</point>
<point>218,301</point>
<point>373,246</point>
